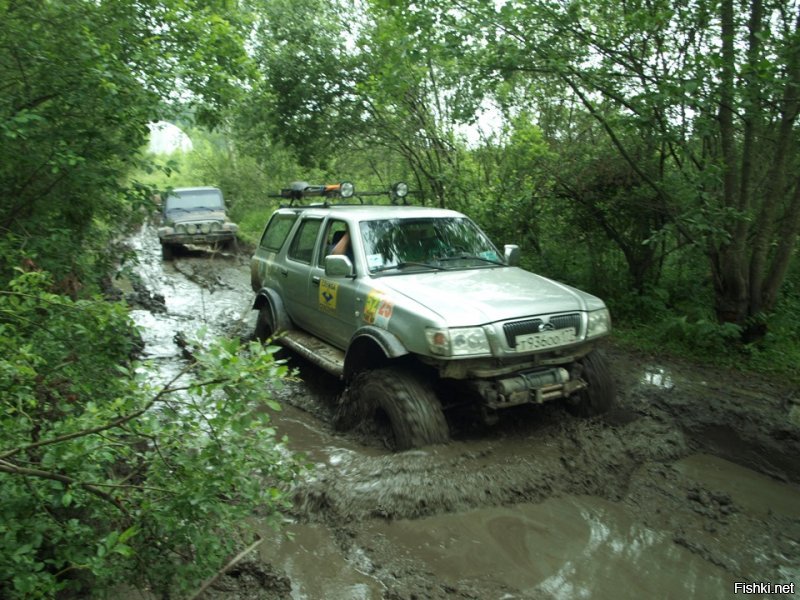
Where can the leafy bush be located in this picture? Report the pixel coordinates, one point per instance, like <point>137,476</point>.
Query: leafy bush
<point>109,477</point>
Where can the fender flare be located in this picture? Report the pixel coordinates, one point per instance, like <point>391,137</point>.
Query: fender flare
<point>270,298</point>
<point>358,355</point>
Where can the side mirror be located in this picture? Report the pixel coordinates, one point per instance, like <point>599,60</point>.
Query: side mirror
<point>338,265</point>
<point>511,254</point>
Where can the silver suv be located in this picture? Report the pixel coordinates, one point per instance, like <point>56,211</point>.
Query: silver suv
<point>195,216</point>
<point>417,310</point>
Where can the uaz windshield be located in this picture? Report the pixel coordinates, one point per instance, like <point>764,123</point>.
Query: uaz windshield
<point>435,243</point>
<point>191,199</point>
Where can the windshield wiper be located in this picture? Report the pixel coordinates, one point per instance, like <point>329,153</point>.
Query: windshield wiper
<point>409,263</point>
<point>196,208</point>
<point>177,208</point>
<point>466,256</point>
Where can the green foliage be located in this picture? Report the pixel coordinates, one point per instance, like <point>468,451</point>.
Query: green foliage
<point>110,476</point>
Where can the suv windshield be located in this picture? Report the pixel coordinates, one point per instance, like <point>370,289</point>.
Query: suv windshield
<point>436,243</point>
<point>191,199</point>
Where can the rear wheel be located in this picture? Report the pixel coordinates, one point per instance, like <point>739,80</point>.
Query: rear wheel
<point>265,326</point>
<point>405,401</point>
<point>599,396</point>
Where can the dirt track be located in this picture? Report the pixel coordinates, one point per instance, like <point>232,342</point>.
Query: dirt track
<point>688,486</point>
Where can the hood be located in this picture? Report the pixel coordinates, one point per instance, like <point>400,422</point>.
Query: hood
<point>179,216</point>
<point>481,296</point>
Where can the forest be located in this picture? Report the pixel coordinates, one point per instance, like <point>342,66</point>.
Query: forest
<point>646,151</point>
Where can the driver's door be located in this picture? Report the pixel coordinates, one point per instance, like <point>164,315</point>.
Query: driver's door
<point>334,298</point>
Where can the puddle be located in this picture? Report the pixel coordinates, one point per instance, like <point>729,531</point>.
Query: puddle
<point>658,377</point>
<point>316,565</point>
<point>756,493</point>
<point>310,437</point>
<point>569,547</point>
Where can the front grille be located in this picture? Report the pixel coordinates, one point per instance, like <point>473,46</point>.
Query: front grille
<point>512,330</point>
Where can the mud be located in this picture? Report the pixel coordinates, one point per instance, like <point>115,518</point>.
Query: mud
<point>690,484</point>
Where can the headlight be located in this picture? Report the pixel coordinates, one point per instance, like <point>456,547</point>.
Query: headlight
<point>205,227</point>
<point>216,226</point>
<point>162,231</point>
<point>599,323</point>
<point>461,341</point>
<point>181,228</point>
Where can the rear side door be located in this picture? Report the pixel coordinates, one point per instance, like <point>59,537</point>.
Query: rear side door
<point>296,272</point>
<point>264,271</point>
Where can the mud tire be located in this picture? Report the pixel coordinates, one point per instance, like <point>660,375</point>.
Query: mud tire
<point>265,327</point>
<point>599,397</point>
<point>167,252</point>
<point>408,401</point>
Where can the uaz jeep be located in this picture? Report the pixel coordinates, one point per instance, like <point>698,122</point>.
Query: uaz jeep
<point>405,301</point>
<point>195,216</point>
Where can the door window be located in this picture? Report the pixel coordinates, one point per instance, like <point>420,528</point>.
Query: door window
<point>302,247</point>
<point>277,231</point>
<point>336,241</point>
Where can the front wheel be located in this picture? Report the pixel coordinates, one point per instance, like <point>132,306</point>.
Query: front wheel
<point>167,252</point>
<point>406,400</point>
<point>598,397</point>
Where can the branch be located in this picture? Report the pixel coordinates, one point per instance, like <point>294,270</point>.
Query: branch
<point>13,469</point>
<point>115,423</point>
<point>224,569</point>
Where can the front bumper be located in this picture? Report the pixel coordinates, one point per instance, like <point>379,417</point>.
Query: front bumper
<point>197,238</point>
<point>529,387</point>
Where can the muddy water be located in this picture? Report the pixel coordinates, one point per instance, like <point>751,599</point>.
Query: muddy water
<point>543,506</point>
<point>570,547</point>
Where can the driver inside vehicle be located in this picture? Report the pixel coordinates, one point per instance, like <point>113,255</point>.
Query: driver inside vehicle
<point>339,240</point>
<point>421,244</point>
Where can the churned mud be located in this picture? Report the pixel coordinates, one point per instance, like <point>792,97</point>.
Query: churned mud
<point>690,484</point>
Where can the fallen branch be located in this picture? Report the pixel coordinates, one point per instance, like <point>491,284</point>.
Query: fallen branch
<point>224,569</point>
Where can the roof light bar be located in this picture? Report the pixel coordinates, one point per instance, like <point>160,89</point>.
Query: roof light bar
<point>345,189</point>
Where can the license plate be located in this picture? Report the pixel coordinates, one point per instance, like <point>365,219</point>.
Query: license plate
<point>545,339</point>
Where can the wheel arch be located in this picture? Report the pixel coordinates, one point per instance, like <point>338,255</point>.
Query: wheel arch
<point>371,348</point>
<point>268,298</point>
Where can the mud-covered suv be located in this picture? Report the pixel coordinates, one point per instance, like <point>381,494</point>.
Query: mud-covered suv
<point>417,310</point>
<point>195,216</point>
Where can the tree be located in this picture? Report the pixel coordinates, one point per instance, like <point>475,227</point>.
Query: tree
<point>711,85</point>
<point>304,99</point>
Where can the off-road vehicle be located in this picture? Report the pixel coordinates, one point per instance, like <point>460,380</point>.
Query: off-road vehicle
<point>416,310</point>
<point>195,216</point>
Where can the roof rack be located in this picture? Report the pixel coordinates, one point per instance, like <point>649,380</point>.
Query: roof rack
<point>298,190</point>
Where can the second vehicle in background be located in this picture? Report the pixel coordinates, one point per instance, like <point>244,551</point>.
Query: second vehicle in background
<point>195,216</point>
